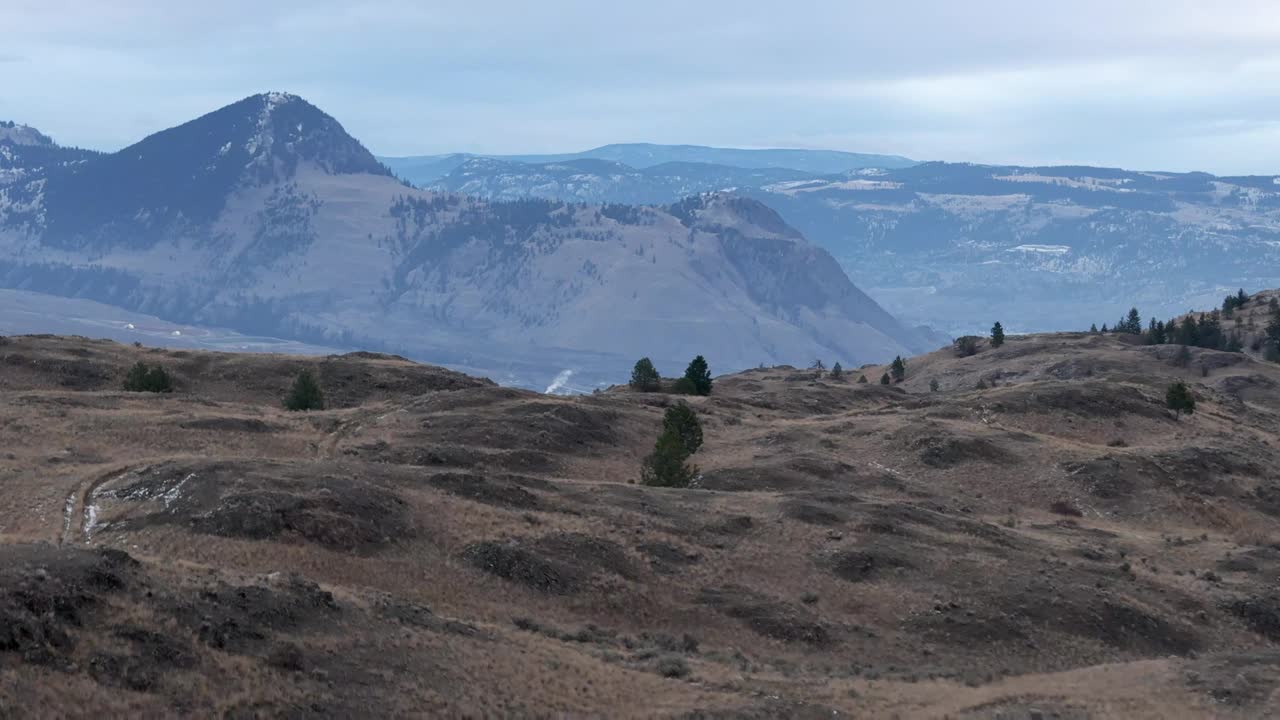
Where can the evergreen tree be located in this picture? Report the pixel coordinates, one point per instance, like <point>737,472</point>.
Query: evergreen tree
<point>1093,328</point>
<point>666,466</point>
<point>699,375</point>
<point>933,385</point>
<point>818,365</point>
<point>862,379</point>
<point>305,393</point>
<point>966,345</point>
<point>1104,329</point>
<point>898,369</point>
<point>645,377</point>
<point>682,421</point>
<point>1273,328</point>
<point>997,334</point>
<point>1189,332</point>
<point>1241,298</point>
<point>1132,324</point>
<point>1179,399</point>
<point>1183,357</point>
<point>884,379</point>
<point>145,378</point>
<point>836,371</point>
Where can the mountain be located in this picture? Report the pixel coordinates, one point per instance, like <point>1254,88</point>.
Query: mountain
<point>427,169</point>
<point>265,217</point>
<point>959,245</point>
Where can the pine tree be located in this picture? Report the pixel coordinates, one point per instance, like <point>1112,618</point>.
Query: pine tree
<point>699,375</point>
<point>1093,328</point>
<point>645,377</point>
<point>1104,329</point>
<point>148,378</point>
<point>305,393</point>
<point>997,334</point>
<point>1179,399</point>
<point>862,379</point>
<point>933,385</point>
<point>1273,328</point>
<point>966,345</point>
<point>898,369</point>
<point>1133,323</point>
<point>682,421</point>
<point>884,379</point>
<point>836,371</point>
<point>1183,357</point>
<point>666,466</point>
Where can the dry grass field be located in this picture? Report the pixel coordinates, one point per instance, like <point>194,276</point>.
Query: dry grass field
<point>1054,545</point>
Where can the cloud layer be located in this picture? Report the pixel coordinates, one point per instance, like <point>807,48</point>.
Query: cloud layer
<point>1172,85</point>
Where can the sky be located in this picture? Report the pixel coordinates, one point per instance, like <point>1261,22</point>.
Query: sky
<point>1167,85</point>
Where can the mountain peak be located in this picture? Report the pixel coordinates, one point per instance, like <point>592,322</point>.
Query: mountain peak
<point>12,133</point>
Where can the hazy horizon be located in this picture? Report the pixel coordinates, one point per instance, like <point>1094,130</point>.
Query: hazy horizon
<point>1143,85</point>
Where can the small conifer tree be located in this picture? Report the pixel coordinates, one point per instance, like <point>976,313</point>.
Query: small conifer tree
<point>1179,399</point>
<point>666,466</point>
<point>682,421</point>
<point>148,378</point>
<point>305,393</point>
<point>699,375</point>
<point>645,377</point>
<point>884,379</point>
<point>997,334</point>
<point>898,369</point>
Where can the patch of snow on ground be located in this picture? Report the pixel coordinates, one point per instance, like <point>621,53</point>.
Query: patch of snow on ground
<point>1087,183</point>
<point>1047,249</point>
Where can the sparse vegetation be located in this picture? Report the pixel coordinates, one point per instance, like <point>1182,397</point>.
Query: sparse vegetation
<point>148,378</point>
<point>305,394</point>
<point>645,377</point>
<point>966,345</point>
<point>1179,399</point>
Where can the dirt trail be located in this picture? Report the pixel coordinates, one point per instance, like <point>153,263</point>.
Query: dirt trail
<point>79,511</point>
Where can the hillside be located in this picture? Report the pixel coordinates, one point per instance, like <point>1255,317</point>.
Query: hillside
<point>426,169</point>
<point>954,245</point>
<point>266,218</point>
<point>1055,544</point>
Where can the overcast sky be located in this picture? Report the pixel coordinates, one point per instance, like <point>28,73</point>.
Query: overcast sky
<point>1168,84</point>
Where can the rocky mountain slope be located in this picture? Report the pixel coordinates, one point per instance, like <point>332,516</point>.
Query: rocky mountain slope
<point>954,245</point>
<point>1037,538</point>
<point>265,217</point>
<point>425,169</point>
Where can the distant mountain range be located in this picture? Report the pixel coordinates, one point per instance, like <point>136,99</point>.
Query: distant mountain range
<point>427,169</point>
<point>265,217</point>
<point>960,245</point>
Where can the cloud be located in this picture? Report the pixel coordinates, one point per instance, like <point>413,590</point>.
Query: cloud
<point>1171,85</point>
